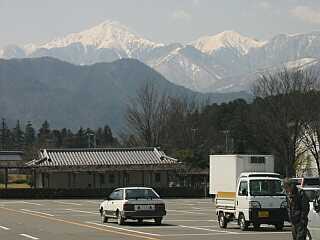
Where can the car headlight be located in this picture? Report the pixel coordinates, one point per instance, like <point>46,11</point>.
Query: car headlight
<point>254,204</point>
<point>284,204</point>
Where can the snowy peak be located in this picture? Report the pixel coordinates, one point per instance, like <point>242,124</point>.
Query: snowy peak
<point>227,39</point>
<point>108,34</point>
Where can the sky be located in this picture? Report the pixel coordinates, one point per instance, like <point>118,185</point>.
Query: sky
<point>166,21</point>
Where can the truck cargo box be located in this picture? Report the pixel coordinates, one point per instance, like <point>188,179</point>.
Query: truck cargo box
<point>225,169</point>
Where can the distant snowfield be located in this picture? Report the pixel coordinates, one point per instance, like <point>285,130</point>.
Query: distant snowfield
<point>224,62</point>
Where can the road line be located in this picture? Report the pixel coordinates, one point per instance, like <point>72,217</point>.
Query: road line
<point>125,229</point>
<point>80,211</point>
<point>28,236</point>
<point>207,229</point>
<point>68,203</point>
<point>47,214</point>
<point>32,203</point>
<point>80,224</point>
<point>4,228</point>
<point>189,220</point>
<point>189,212</point>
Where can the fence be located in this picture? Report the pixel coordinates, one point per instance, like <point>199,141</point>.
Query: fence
<point>44,193</point>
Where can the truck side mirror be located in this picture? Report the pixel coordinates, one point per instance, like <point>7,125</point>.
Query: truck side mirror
<point>316,204</point>
<point>244,192</point>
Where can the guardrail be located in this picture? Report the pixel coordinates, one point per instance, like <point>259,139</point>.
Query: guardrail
<point>47,193</point>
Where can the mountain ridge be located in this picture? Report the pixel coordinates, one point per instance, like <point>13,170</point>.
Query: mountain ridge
<point>208,64</point>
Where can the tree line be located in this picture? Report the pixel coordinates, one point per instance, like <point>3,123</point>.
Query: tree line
<point>283,119</point>
<point>31,140</point>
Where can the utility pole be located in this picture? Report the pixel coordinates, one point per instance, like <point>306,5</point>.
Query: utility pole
<point>3,133</point>
<point>91,144</point>
<point>226,133</point>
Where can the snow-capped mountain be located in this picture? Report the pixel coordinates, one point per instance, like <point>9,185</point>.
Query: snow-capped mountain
<point>224,62</point>
<point>227,39</point>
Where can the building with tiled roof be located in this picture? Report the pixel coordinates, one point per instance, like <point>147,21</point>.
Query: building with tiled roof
<point>103,168</point>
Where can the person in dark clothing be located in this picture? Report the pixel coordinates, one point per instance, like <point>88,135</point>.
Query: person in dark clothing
<point>298,210</point>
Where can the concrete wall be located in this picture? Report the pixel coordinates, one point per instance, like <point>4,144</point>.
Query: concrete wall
<point>157,179</point>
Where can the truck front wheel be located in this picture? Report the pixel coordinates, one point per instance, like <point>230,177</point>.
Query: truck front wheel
<point>243,223</point>
<point>222,220</point>
<point>279,226</point>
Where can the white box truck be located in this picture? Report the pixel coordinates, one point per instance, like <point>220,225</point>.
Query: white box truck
<point>226,169</point>
<point>247,191</point>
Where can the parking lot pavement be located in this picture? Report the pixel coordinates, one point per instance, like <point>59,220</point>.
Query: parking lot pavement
<point>79,220</point>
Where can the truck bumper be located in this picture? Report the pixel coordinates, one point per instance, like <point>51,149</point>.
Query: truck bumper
<point>143,214</point>
<point>268,215</point>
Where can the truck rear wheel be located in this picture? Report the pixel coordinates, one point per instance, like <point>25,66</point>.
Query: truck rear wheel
<point>222,220</point>
<point>243,223</point>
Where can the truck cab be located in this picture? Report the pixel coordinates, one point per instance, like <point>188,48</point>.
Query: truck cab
<point>259,199</point>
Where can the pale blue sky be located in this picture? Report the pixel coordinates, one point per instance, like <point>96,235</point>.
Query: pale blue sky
<point>24,21</point>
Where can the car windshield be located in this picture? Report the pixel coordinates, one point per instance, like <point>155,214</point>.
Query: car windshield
<point>141,194</point>
<point>265,187</point>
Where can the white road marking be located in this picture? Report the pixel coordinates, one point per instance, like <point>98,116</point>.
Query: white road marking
<point>80,211</point>
<point>4,228</point>
<point>124,229</point>
<point>95,202</point>
<point>207,229</point>
<point>188,212</point>
<point>46,214</point>
<point>190,220</point>
<point>32,203</point>
<point>68,203</point>
<point>28,236</point>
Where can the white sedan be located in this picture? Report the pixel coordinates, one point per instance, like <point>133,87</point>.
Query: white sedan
<point>135,203</point>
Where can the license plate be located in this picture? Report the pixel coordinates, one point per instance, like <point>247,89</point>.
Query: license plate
<point>144,207</point>
<point>263,214</point>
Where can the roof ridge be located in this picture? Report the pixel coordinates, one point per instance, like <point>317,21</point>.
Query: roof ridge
<point>98,149</point>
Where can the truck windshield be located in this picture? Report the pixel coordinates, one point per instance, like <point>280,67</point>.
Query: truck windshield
<point>141,194</point>
<point>265,187</point>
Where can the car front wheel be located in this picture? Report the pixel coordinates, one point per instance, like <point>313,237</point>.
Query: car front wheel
<point>104,219</point>
<point>120,219</point>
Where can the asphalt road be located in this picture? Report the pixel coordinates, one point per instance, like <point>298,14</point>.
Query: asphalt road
<point>187,219</point>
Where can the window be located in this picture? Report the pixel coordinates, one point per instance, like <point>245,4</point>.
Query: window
<point>111,178</point>
<point>158,177</point>
<point>258,160</point>
<point>143,193</point>
<point>116,195</point>
<point>243,188</point>
<point>102,180</point>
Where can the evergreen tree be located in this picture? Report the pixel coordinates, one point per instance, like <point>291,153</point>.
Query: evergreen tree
<point>30,134</point>
<point>18,136</point>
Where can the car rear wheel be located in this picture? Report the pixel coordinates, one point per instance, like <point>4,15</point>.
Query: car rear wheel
<point>158,220</point>
<point>222,220</point>
<point>140,220</point>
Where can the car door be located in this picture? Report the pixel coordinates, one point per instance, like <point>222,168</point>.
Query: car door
<point>242,199</point>
<point>111,203</point>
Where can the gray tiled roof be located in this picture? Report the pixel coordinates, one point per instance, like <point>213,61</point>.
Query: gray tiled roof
<point>101,157</point>
<point>11,156</point>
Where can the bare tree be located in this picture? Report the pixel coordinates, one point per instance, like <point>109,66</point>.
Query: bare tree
<point>311,129</point>
<point>146,115</point>
<point>280,108</point>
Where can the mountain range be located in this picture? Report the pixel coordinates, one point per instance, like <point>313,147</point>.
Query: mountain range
<point>68,95</point>
<point>226,62</point>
